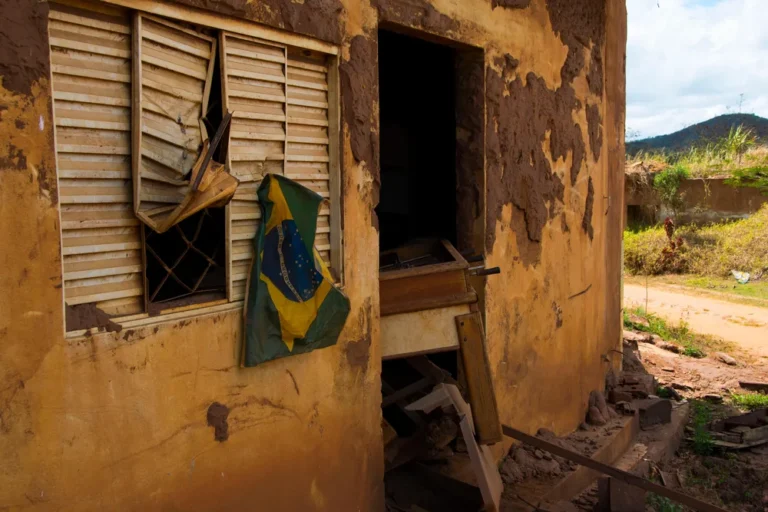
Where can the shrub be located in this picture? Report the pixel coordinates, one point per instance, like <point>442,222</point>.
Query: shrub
<point>702,439</point>
<point>738,142</point>
<point>712,250</point>
<point>753,177</point>
<point>662,504</point>
<point>667,185</point>
<point>750,401</point>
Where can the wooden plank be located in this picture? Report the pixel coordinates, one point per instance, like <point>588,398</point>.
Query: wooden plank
<point>408,306</point>
<point>240,26</point>
<point>424,286</point>
<point>164,37</point>
<point>98,34</point>
<point>421,332</point>
<point>208,84</point>
<point>486,471</point>
<point>605,469</point>
<point>389,434</point>
<point>308,85</point>
<point>88,21</point>
<point>174,26</point>
<point>136,112</point>
<point>57,39</point>
<point>102,272</point>
<point>477,369</point>
<point>151,57</point>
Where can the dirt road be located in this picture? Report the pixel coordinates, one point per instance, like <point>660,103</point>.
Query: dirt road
<point>741,324</point>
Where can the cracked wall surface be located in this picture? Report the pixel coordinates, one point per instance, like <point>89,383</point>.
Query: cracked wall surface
<point>162,417</point>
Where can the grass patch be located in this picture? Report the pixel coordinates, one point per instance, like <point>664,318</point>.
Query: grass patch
<point>708,251</point>
<point>702,439</point>
<point>662,503</point>
<point>750,401</point>
<point>693,344</point>
<point>753,289</point>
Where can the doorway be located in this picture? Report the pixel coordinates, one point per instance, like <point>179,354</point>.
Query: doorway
<point>431,224</point>
<point>418,140</point>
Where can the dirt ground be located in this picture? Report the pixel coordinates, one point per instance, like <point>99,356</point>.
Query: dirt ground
<point>734,480</point>
<point>742,324</point>
<point>696,378</point>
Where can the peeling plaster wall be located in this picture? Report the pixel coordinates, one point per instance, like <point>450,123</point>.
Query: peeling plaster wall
<point>124,421</point>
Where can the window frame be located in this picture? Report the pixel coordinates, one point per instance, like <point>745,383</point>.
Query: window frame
<point>247,28</point>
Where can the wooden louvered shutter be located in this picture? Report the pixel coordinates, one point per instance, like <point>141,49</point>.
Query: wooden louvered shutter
<point>101,238</point>
<point>172,80</point>
<point>279,99</point>
<point>307,158</point>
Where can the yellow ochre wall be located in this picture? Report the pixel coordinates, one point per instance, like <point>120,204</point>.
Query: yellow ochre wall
<point>117,421</point>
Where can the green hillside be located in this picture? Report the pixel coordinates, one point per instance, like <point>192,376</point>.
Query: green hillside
<point>712,130</point>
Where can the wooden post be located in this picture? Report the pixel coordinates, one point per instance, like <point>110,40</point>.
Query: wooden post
<point>477,371</point>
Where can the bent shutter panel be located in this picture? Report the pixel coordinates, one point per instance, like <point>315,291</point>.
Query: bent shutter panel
<point>279,99</point>
<point>91,81</point>
<point>172,79</point>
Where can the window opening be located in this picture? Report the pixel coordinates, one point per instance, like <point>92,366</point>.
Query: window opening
<point>186,264</point>
<point>135,95</point>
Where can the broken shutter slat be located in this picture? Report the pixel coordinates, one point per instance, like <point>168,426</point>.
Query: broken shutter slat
<point>101,238</point>
<point>172,73</point>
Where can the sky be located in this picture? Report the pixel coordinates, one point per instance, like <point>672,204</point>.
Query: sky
<point>690,60</point>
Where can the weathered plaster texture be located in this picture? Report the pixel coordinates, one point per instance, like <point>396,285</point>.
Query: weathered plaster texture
<point>123,421</point>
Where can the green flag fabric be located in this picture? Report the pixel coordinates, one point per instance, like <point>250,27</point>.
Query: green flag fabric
<point>291,304</point>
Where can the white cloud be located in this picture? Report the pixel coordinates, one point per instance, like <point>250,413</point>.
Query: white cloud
<point>689,60</point>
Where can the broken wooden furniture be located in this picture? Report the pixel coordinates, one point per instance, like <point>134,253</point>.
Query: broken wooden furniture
<point>422,288</point>
<point>427,307</point>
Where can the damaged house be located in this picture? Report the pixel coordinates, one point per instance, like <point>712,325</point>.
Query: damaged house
<point>469,157</point>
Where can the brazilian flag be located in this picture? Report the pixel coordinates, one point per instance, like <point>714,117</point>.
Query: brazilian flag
<point>292,306</point>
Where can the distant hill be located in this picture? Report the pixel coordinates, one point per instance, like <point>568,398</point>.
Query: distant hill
<point>701,133</point>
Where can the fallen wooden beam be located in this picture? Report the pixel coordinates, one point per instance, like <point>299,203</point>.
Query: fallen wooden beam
<point>605,469</point>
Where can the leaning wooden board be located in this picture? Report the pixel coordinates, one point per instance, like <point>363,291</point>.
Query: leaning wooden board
<point>477,372</point>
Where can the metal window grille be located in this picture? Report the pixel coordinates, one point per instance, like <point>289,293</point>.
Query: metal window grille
<point>187,260</point>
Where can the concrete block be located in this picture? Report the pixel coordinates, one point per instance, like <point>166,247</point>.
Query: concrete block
<point>639,382</point>
<point>619,395</point>
<point>654,411</point>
